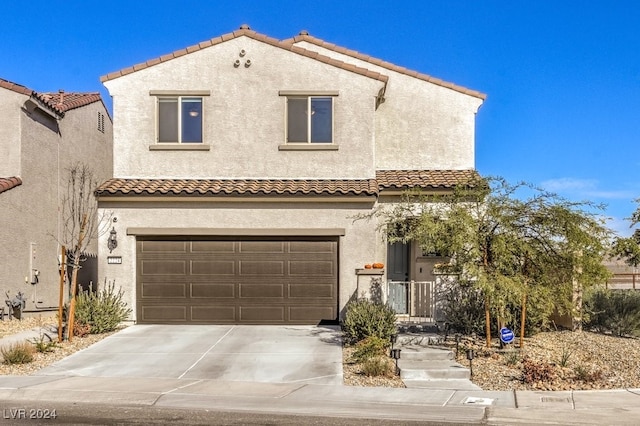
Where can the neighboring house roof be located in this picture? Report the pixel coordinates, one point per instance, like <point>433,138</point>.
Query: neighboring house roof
<point>385,179</point>
<point>304,36</point>
<point>9,182</point>
<point>59,102</point>
<point>246,31</point>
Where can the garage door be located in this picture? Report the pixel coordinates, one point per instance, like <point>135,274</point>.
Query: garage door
<point>237,281</point>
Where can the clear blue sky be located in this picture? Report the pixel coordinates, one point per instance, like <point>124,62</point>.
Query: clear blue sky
<point>562,77</point>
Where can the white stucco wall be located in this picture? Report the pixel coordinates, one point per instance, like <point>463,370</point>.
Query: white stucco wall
<point>360,245</point>
<point>420,125</point>
<point>244,117</point>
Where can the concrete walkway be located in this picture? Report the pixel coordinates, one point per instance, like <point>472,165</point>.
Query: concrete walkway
<point>275,375</point>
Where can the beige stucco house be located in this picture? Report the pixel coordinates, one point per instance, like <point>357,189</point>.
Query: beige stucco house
<point>241,163</point>
<point>41,136</point>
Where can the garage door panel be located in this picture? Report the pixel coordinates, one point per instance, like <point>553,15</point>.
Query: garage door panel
<point>310,267</point>
<point>312,247</point>
<point>213,246</point>
<point>262,314</point>
<point>310,313</point>
<point>311,291</point>
<point>213,291</point>
<point>163,290</point>
<point>262,290</point>
<point>262,268</point>
<point>164,246</point>
<point>164,267</point>
<point>261,246</point>
<point>164,313</point>
<point>213,267</point>
<point>225,314</point>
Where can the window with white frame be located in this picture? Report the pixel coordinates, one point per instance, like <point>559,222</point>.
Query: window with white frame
<point>179,119</point>
<point>310,119</point>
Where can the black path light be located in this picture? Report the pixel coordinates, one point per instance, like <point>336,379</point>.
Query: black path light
<point>395,354</point>
<point>393,338</point>
<point>470,358</point>
<point>457,344</point>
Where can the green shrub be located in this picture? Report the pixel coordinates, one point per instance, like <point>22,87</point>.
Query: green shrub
<point>378,366</point>
<point>103,310</point>
<point>584,374</point>
<point>44,343</point>
<point>370,347</point>
<point>463,309</point>
<point>18,353</point>
<point>613,311</point>
<point>364,318</point>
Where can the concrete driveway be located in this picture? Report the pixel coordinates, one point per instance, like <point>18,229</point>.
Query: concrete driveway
<point>271,354</point>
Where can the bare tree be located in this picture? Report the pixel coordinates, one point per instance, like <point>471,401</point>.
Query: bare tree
<point>81,224</point>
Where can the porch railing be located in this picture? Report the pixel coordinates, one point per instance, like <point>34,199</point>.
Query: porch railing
<point>417,300</point>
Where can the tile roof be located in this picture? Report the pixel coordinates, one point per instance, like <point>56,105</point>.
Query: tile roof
<point>9,182</point>
<point>246,31</point>
<point>426,179</point>
<point>385,179</point>
<point>58,102</point>
<point>304,36</point>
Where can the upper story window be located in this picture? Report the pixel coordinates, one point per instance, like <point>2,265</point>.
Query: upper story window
<point>180,119</point>
<point>309,117</point>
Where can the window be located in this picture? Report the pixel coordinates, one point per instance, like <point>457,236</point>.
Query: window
<point>309,119</point>
<point>180,119</point>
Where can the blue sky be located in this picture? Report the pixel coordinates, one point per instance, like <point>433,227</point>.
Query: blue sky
<point>562,77</point>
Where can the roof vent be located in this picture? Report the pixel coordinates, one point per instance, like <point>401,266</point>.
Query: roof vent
<point>304,32</point>
<point>245,27</point>
<point>61,100</point>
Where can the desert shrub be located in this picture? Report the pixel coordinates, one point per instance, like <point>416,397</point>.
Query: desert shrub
<point>534,371</point>
<point>584,374</point>
<point>44,343</point>
<point>463,309</point>
<point>103,310</point>
<point>370,347</point>
<point>512,357</point>
<point>613,311</point>
<point>18,353</point>
<point>81,329</point>
<point>364,318</point>
<point>378,366</point>
<point>564,357</point>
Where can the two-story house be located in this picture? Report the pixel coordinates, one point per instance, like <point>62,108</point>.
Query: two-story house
<point>241,164</point>
<point>42,135</point>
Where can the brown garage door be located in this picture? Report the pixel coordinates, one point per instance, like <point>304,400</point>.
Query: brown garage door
<point>236,281</point>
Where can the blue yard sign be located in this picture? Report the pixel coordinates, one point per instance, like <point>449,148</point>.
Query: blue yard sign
<point>506,335</point>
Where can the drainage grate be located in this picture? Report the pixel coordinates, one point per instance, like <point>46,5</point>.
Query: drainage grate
<point>477,401</point>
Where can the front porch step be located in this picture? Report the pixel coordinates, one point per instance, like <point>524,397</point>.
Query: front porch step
<point>422,353</point>
<point>432,369</point>
<point>448,384</point>
<point>419,339</point>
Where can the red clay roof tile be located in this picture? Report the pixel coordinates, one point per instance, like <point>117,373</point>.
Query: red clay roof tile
<point>243,31</point>
<point>9,182</point>
<point>385,180</point>
<point>304,36</point>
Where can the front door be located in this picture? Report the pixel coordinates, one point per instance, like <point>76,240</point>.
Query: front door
<point>398,275</point>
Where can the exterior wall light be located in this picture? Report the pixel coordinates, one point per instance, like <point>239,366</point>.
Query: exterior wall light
<point>112,241</point>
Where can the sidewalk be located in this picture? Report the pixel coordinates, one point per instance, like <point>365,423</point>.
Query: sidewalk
<point>469,407</point>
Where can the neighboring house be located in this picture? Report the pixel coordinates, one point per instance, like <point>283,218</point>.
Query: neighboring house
<point>241,164</point>
<point>41,136</point>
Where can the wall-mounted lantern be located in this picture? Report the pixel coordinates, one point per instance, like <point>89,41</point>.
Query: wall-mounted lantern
<point>112,241</point>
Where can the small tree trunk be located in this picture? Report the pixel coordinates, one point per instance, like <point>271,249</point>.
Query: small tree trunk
<point>487,321</point>
<point>523,318</point>
<point>63,274</point>
<point>74,278</point>
<point>576,296</point>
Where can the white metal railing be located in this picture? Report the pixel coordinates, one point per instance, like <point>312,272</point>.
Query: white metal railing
<point>416,299</point>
